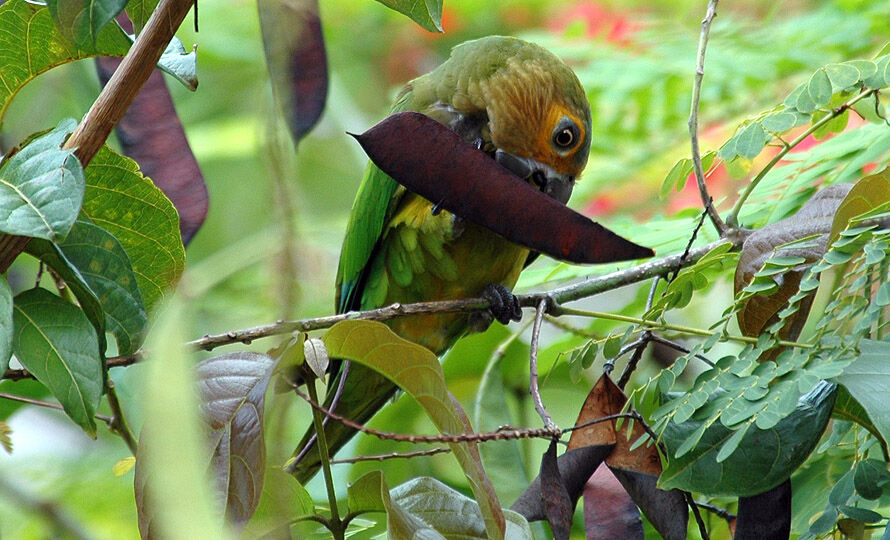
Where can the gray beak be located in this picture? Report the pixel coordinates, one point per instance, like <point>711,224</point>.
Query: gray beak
<point>555,185</point>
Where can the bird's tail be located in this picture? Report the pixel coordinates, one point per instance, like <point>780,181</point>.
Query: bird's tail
<point>363,394</point>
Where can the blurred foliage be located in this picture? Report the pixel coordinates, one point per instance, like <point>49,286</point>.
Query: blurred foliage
<point>636,62</point>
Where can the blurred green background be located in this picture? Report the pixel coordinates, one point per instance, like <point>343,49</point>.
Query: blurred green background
<point>269,247</point>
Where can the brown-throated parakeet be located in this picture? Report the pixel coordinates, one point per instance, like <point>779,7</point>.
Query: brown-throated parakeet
<point>523,106</point>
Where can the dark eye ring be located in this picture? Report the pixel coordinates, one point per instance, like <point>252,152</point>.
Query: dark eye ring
<point>564,138</point>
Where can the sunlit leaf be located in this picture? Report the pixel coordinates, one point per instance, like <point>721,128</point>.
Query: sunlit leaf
<point>81,20</point>
<point>139,11</point>
<point>867,379</point>
<point>6,327</point>
<point>126,204</point>
<point>428,14</point>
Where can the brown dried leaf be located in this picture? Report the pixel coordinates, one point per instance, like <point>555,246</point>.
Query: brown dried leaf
<point>666,510</point>
<point>609,512</point>
<point>558,506</point>
<point>814,218</point>
<point>575,468</point>
<point>233,391</point>
<point>434,162</point>
<point>297,61</point>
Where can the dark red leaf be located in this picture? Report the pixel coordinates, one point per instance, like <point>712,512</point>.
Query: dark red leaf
<point>766,516</point>
<point>433,161</point>
<point>575,467</point>
<point>666,510</point>
<point>609,512</point>
<point>152,135</point>
<point>558,507</point>
<point>297,61</point>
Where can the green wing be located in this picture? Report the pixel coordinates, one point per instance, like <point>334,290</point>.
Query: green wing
<point>378,195</point>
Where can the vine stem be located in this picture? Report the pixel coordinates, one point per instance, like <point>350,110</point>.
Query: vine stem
<point>118,423</point>
<point>533,367</point>
<point>706,199</point>
<point>318,419</point>
<point>733,219</point>
<point>668,326</point>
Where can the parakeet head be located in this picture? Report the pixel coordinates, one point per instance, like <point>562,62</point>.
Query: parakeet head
<point>519,102</point>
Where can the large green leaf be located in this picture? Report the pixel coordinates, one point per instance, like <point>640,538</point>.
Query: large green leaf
<point>766,458</point>
<point>55,341</point>
<point>30,45</point>
<point>81,20</point>
<point>847,408</point>
<point>41,187</point>
<point>139,11</point>
<point>51,255</point>
<point>126,204</point>
<point>868,381</point>
<point>6,328</point>
<point>427,13</point>
<point>105,266</point>
<point>417,371</point>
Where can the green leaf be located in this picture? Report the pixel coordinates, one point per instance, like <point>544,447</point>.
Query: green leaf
<point>842,76</point>
<point>764,458</point>
<point>779,122</point>
<point>55,341</point>
<point>30,45</point>
<point>676,177</point>
<point>233,395</point>
<point>6,326</point>
<point>127,205</point>
<point>866,68</point>
<point>428,13</point>
<point>450,513</point>
<point>365,495</point>
<point>41,187</point>
<point>417,371</point>
<point>751,140</point>
<point>819,87</point>
<point>106,267</point>
<point>51,254</point>
<point>861,514</point>
<point>868,381</point>
<point>81,20</point>
<point>870,475</point>
<point>879,78</point>
<point>843,490</point>
<point>139,11</point>
<point>847,408</point>
<point>178,62</point>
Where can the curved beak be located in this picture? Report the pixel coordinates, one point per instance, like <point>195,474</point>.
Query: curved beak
<point>555,185</point>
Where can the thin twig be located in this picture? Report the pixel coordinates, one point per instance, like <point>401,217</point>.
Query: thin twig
<point>393,455</point>
<point>707,201</point>
<point>718,511</point>
<point>640,346</point>
<point>698,519</point>
<point>58,518</point>
<point>677,347</point>
<point>499,435</point>
<point>118,423</point>
<point>533,367</point>
<point>48,405</point>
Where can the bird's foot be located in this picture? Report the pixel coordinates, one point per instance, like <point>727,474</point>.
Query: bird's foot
<point>504,304</point>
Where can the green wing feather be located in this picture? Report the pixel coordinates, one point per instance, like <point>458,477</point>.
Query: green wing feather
<point>378,195</point>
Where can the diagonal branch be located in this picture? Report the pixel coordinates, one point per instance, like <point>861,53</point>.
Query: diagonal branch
<point>707,200</point>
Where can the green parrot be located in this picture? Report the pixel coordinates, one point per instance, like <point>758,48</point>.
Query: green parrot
<point>524,107</point>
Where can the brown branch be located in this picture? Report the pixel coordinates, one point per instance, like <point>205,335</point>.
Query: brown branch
<point>698,519</point>
<point>393,455</point>
<point>707,201</point>
<point>48,405</point>
<point>533,367</point>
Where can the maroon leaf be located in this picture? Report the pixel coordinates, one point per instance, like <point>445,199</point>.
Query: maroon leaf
<point>575,467</point>
<point>609,512</point>
<point>151,133</point>
<point>666,510</point>
<point>434,162</point>
<point>297,61</point>
<point>555,500</point>
<point>233,390</point>
<point>766,516</point>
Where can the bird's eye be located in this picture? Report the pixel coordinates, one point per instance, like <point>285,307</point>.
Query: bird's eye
<point>564,138</point>
<point>566,133</point>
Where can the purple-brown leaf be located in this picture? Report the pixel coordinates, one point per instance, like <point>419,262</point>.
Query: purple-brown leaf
<point>766,516</point>
<point>297,61</point>
<point>609,512</point>
<point>233,390</point>
<point>555,500</point>
<point>434,162</point>
<point>575,467</point>
<point>666,510</point>
<point>152,135</point>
